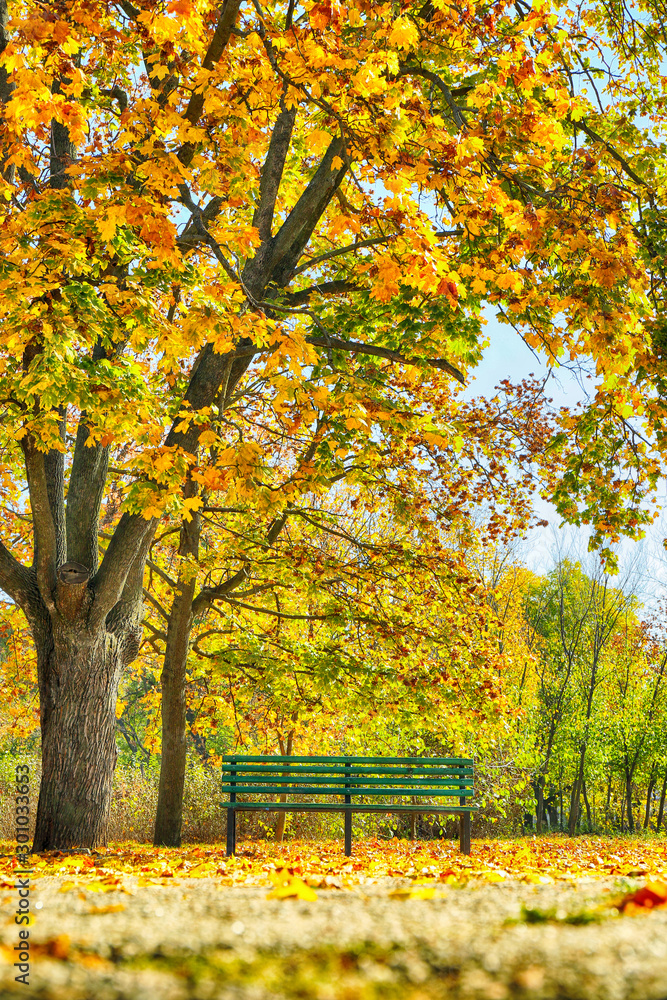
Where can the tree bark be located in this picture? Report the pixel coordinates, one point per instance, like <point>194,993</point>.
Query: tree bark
<point>169,815</point>
<point>661,807</point>
<point>80,659</point>
<point>628,794</point>
<point>80,670</point>
<point>576,792</point>
<point>539,806</point>
<point>286,751</point>
<point>589,817</point>
<point>649,793</point>
<point>623,801</point>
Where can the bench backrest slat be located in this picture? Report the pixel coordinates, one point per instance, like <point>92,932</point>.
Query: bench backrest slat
<point>337,770</point>
<point>353,776</point>
<point>283,790</point>
<point>273,758</point>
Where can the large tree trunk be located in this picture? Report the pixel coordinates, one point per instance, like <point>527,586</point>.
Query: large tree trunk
<point>81,658</point>
<point>82,672</point>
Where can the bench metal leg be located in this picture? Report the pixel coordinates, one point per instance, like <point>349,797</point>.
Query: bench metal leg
<point>348,833</point>
<point>464,838</point>
<point>231,832</point>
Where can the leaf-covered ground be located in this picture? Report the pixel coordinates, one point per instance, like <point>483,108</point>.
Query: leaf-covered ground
<point>582,919</point>
<point>530,860</point>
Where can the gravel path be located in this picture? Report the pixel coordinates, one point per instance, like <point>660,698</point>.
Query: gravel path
<point>198,940</point>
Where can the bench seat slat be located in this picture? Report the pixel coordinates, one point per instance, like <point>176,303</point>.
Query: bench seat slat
<point>306,790</point>
<point>350,807</point>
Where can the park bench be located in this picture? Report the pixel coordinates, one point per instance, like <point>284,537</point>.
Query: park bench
<point>348,779</point>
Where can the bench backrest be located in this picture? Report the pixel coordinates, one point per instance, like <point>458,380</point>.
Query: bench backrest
<point>414,776</point>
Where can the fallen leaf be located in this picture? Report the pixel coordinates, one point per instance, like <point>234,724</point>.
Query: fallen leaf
<point>651,896</point>
<point>288,886</point>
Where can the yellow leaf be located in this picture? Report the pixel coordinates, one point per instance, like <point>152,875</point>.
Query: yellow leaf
<point>421,892</point>
<point>318,140</point>
<point>404,34</point>
<point>288,886</point>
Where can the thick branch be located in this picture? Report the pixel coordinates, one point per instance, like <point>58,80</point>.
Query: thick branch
<point>218,45</point>
<point>54,467</point>
<point>116,93</point>
<point>5,86</point>
<point>209,594</point>
<point>130,539</point>
<point>84,499</point>
<point>16,580</point>
<point>295,232</point>
<point>62,151</point>
<point>126,617</point>
<point>337,287</point>
<point>272,170</point>
<point>42,519</point>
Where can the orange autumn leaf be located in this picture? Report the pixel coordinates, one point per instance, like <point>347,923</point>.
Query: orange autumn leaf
<point>651,896</point>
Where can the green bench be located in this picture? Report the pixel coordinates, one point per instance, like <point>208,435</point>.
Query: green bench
<point>348,778</point>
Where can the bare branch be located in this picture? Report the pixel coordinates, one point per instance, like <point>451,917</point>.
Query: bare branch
<point>16,580</point>
<point>277,614</point>
<point>442,87</point>
<point>314,261</point>
<point>156,604</point>
<point>610,149</point>
<point>353,347</point>
<point>159,572</point>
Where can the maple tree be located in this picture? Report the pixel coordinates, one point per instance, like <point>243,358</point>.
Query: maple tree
<point>318,197</point>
